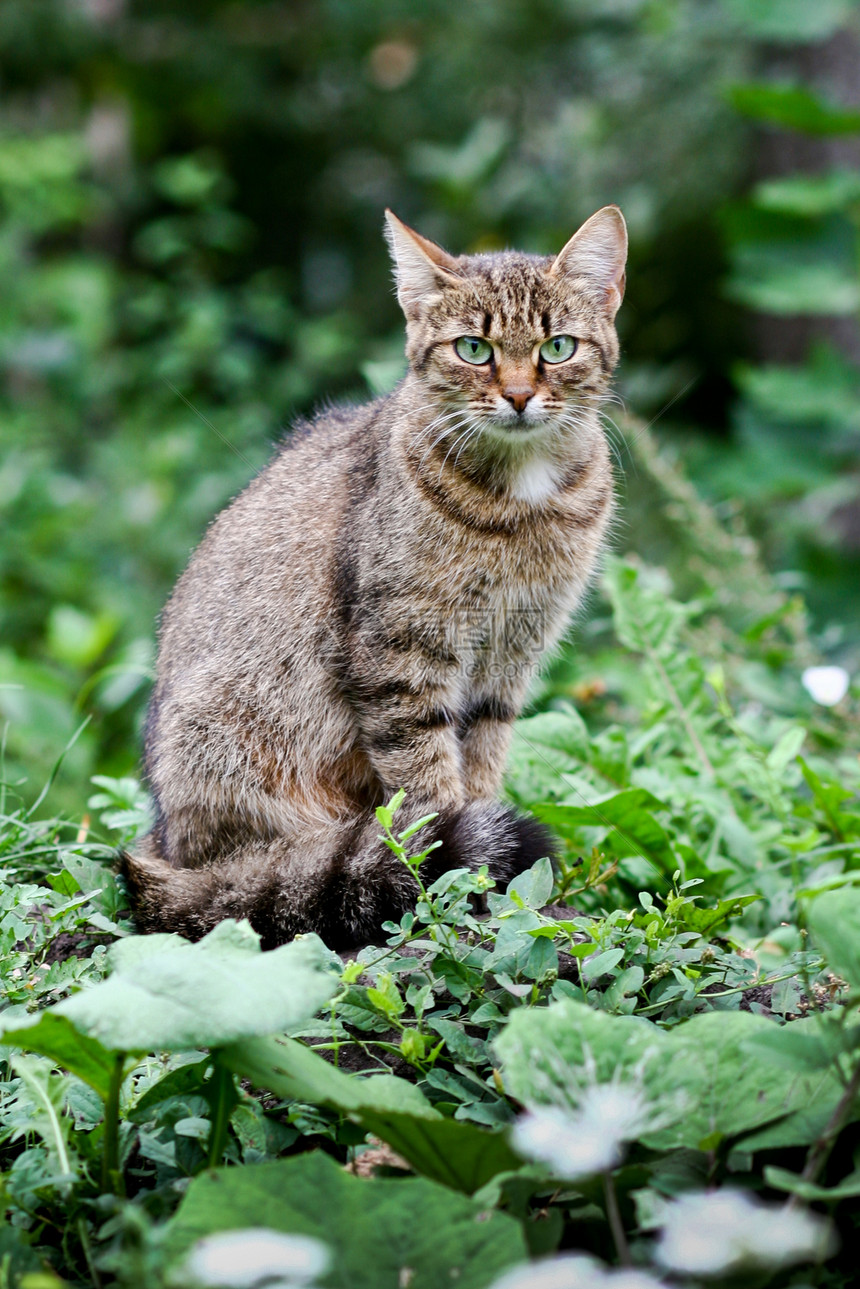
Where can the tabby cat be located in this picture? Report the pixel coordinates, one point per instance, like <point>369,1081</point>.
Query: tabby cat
<point>368,613</point>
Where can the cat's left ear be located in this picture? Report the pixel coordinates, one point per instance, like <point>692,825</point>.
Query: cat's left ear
<point>421,268</point>
<point>597,255</point>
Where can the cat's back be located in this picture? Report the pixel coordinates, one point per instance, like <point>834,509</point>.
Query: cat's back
<point>274,543</point>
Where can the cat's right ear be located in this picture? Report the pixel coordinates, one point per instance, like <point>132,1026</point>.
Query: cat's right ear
<point>421,268</point>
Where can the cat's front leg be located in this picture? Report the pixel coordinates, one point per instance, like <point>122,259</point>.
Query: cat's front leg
<point>486,728</point>
<point>405,693</point>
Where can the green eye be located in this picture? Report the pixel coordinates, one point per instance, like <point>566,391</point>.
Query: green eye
<point>557,349</point>
<point>472,349</point>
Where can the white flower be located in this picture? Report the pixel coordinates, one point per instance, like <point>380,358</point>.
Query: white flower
<point>573,1271</point>
<point>720,1232</point>
<point>617,1109</point>
<point>587,1140</point>
<point>243,1259</point>
<point>827,685</point>
<point>560,1139</point>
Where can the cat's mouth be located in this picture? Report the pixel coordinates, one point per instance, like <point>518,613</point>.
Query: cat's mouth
<point>518,425</point>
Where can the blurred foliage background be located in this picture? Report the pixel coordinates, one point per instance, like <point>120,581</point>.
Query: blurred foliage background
<point>191,196</point>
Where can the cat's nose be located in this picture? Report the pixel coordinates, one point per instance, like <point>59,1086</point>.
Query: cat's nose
<point>518,396</point>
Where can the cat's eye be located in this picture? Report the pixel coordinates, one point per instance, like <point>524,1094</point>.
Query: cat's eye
<point>474,349</point>
<point>558,349</point>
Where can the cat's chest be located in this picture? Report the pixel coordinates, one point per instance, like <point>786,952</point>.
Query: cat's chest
<point>493,566</point>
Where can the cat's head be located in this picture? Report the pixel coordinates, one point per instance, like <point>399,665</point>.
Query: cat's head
<point>517,343</point>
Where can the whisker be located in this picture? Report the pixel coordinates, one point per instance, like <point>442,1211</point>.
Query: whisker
<point>465,435</point>
<point>449,429</point>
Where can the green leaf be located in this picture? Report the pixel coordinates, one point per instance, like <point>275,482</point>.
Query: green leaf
<point>77,638</point>
<point>829,796</point>
<point>54,1035</point>
<point>563,731</point>
<point>794,108</point>
<point>786,749</point>
<point>804,1047</point>
<point>17,1258</point>
<point>47,1117</point>
<point>601,964</point>
<point>795,288</point>
<point>383,1233</point>
<point>789,21</point>
<point>413,828</point>
<point>699,1074</point>
<point>167,995</point>
<point>810,195</point>
<point>822,392</point>
<point>92,876</point>
<point>534,886</point>
<point>781,1180</point>
<point>834,921</point>
<point>628,817</point>
<point>705,921</point>
<point>645,619</point>
<point>446,1150</point>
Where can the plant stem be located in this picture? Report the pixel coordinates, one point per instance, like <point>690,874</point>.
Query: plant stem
<point>821,1148</point>
<point>683,715</point>
<point>224,1100</point>
<point>88,1253</point>
<point>111,1177</point>
<point>614,1217</point>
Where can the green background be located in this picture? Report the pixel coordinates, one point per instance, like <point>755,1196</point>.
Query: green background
<point>191,256</point>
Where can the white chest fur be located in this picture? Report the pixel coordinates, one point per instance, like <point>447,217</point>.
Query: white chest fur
<point>535,482</point>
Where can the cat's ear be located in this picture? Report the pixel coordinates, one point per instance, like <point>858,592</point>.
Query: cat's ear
<point>597,253</point>
<point>421,268</point>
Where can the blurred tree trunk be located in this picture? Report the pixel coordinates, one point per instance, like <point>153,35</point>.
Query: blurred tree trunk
<point>830,68</point>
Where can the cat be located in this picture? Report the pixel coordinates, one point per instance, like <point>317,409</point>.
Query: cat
<point>368,613</point>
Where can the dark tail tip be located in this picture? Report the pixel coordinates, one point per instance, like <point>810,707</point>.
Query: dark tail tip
<point>491,833</point>
<point>533,840</point>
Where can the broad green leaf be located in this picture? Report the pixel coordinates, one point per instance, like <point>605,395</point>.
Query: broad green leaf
<point>542,749</point>
<point>804,1046</point>
<point>458,1154</point>
<point>829,797</point>
<point>834,920</point>
<point>627,814</point>
<point>54,1035</point>
<point>562,730</point>
<point>166,994</point>
<point>794,108</point>
<point>292,1071</point>
<point>17,1258</point>
<point>383,1233</point>
<point>701,1079</point>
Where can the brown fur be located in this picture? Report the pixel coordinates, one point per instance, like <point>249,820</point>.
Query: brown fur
<point>368,613</point>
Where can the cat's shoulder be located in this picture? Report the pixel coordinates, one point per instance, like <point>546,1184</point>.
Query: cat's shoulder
<point>333,425</point>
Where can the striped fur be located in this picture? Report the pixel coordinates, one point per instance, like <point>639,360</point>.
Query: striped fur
<point>368,613</point>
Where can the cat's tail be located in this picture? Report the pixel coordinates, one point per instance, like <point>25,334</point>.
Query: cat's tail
<point>342,883</point>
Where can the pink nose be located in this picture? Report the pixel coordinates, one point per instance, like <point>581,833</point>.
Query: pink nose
<point>518,396</point>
